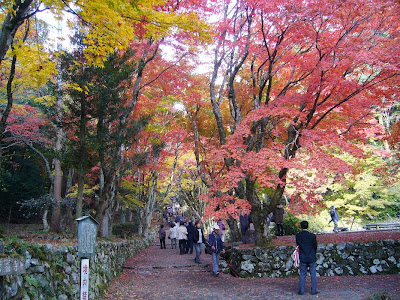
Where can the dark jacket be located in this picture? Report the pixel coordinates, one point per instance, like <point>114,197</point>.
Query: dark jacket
<point>191,230</point>
<point>196,236</point>
<point>215,240</point>
<point>161,233</point>
<point>278,215</point>
<point>244,222</point>
<point>307,242</point>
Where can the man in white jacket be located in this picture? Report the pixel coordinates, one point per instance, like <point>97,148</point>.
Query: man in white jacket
<point>182,238</point>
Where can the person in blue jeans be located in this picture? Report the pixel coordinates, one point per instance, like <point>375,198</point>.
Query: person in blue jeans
<point>198,240</point>
<point>217,246</point>
<point>307,242</point>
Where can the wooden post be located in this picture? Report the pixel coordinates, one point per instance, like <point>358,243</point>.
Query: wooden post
<point>84,279</point>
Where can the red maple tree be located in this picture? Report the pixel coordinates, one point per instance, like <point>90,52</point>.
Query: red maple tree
<point>303,84</point>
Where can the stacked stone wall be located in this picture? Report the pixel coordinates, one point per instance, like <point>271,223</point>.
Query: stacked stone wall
<point>378,257</point>
<point>54,273</point>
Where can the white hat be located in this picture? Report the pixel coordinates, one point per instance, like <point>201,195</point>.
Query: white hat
<point>216,227</point>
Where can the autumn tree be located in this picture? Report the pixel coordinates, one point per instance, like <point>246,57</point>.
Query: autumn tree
<point>116,26</point>
<point>155,155</point>
<point>27,72</point>
<point>189,186</point>
<point>25,146</point>
<point>307,92</point>
<point>112,25</point>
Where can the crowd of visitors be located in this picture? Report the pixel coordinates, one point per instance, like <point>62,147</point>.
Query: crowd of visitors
<point>189,236</point>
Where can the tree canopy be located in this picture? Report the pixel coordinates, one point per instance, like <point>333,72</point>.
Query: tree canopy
<point>298,99</point>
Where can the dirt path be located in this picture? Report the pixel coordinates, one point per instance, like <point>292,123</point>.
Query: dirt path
<point>164,274</point>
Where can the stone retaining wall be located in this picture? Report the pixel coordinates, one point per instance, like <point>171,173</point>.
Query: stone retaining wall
<point>379,257</point>
<point>54,273</point>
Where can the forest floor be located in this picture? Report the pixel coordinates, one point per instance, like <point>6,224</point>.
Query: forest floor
<point>164,274</point>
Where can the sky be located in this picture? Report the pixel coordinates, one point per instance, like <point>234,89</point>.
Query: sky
<point>59,31</point>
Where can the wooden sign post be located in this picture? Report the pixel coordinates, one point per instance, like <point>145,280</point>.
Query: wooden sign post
<point>87,232</point>
<point>84,279</point>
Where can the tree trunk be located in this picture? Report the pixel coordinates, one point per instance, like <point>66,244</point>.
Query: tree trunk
<point>46,226</point>
<point>107,186</point>
<point>149,207</point>
<point>11,23</point>
<point>82,155</point>
<point>234,229</point>
<point>259,217</point>
<point>105,225</point>
<point>79,200</point>
<point>123,213</point>
<point>259,212</point>
<point>56,208</point>
<point>110,222</point>
<point>130,215</point>
<point>140,221</point>
<point>10,98</point>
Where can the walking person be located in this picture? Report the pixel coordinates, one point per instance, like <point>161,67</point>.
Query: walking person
<point>217,246</point>
<point>221,225</point>
<point>182,238</point>
<point>278,217</point>
<point>172,235</point>
<point>334,218</point>
<point>161,236</point>
<point>198,240</point>
<point>307,243</point>
<point>191,229</point>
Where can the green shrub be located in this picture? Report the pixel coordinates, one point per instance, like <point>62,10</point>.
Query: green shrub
<point>291,225</point>
<point>380,296</point>
<point>318,223</point>
<point>315,225</point>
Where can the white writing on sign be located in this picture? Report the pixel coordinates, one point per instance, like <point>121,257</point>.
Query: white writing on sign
<point>11,266</point>
<point>84,279</point>
<point>87,238</point>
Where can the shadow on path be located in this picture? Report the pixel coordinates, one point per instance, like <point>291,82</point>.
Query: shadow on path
<point>164,274</point>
